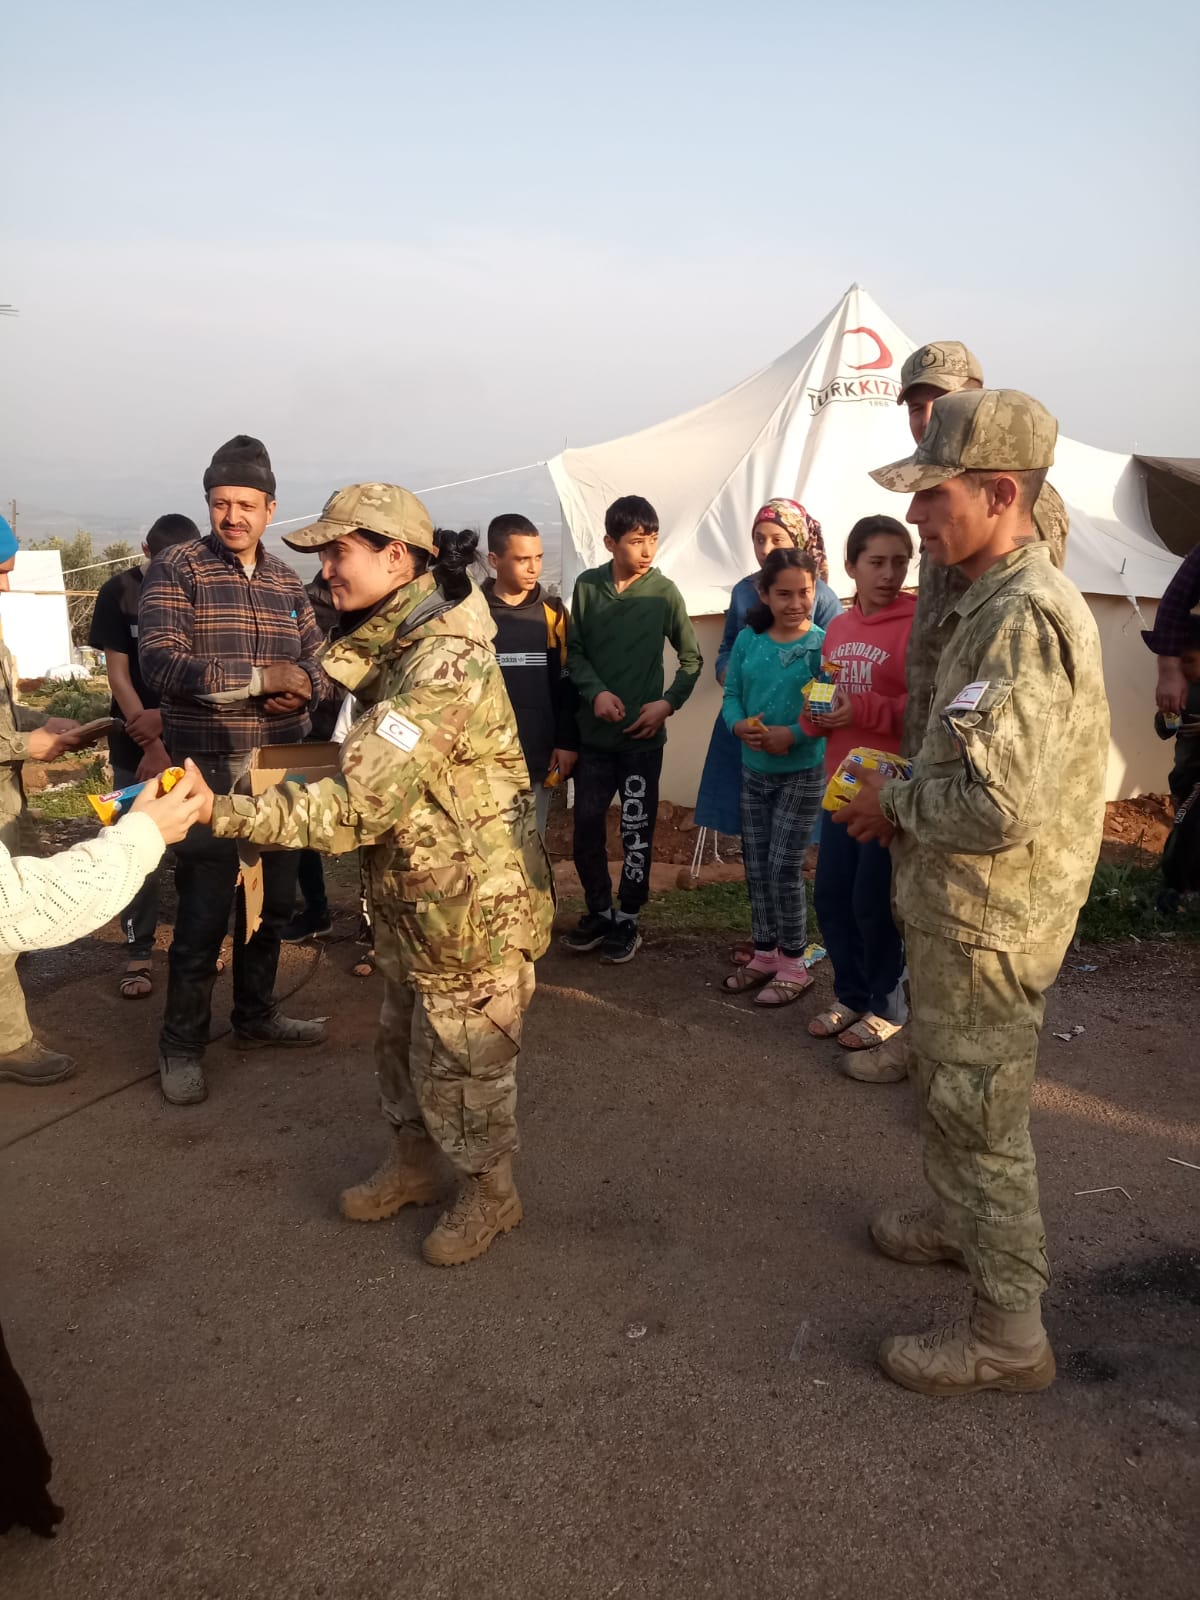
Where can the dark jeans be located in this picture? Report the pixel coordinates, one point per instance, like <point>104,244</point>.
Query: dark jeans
<point>139,920</point>
<point>310,874</point>
<point>633,776</point>
<point>853,894</point>
<point>206,870</point>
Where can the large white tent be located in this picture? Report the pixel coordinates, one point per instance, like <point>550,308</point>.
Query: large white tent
<point>810,426</point>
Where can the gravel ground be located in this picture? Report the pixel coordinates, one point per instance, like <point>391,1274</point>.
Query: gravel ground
<point>661,1385</point>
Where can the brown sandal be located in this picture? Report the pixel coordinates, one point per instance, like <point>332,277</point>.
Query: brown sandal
<point>832,1022</point>
<point>741,952</point>
<point>788,988</point>
<point>742,978</point>
<point>136,982</point>
<point>365,965</point>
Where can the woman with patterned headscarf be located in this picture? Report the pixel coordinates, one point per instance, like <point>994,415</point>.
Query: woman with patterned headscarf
<point>777,524</point>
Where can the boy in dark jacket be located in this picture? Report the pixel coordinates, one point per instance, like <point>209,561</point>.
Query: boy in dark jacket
<point>531,647</point>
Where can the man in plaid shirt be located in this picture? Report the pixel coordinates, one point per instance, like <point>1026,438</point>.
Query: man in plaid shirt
<point>229,642</point>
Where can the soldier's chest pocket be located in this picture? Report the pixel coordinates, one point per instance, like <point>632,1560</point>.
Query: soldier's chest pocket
<point>976,728</point>
<point>437,911</point>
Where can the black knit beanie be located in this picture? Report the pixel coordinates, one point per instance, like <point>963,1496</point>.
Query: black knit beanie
<point>241,463</point>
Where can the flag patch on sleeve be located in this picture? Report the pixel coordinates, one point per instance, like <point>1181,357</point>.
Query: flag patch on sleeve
<point>398,730</point>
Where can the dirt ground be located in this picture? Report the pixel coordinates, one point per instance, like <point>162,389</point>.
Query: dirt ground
<point>662,1384</point>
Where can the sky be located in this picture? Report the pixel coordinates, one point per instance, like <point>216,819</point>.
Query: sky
<point>422,243</point>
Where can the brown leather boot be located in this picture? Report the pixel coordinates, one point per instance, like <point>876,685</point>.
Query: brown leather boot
<point>989,1349</point>
<point>917,1237</point>
<point>488,1204</point>
<point>415,1173</point>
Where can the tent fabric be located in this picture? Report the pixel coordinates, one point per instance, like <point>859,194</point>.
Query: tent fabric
<point>810,426</point>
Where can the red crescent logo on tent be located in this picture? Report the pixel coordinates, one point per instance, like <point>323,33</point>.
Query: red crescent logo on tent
<point>884,358</point>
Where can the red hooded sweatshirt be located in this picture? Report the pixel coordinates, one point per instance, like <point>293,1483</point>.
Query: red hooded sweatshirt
<point>872,651</point>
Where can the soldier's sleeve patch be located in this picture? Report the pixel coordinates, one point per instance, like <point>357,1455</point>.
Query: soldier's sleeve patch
<point>399,731</point>
<point>969,697</point>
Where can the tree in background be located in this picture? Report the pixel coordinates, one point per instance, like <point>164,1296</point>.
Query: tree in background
<point>79,560</point>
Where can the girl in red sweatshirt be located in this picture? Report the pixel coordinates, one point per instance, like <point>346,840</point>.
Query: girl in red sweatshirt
<point>854,881</point>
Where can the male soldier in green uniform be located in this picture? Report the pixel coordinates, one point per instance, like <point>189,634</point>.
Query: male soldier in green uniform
<point>434,786</point>
<point>24,736</point>
<point>994,841</point>
<point>934,370</point>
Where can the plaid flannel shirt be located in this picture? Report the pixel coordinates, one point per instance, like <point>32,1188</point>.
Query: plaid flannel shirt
<point>206,630</point>
<point>1175,617</point>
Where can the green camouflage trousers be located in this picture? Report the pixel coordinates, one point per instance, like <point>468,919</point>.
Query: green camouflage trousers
<point>976,1017</point>
<point>447,1062</point>
<point>14,1019</point>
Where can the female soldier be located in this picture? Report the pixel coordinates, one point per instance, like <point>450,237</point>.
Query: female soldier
<point>434,784</point>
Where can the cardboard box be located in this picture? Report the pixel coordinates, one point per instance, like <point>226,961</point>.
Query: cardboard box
<point>269,765</point>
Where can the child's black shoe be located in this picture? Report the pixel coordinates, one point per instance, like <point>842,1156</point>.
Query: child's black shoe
<point>621,943</point>
<point>592,929</point>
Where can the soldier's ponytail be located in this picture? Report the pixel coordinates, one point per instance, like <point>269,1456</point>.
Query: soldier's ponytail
<point>452,565</point>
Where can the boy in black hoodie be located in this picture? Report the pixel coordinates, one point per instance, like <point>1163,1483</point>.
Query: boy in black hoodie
<point>531,647</point>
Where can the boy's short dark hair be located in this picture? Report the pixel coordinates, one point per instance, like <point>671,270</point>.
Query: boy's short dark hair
<point>502,528</point>
<point>629,512</point>
<point>173,528</point>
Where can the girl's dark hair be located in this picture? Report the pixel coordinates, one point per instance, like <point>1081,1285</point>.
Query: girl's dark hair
<point>868,528</point>
<point>759,617</point>
<point>456,556</point>
<point>451,567</point>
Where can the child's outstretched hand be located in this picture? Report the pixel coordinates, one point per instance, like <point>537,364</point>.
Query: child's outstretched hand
<point>608,706</point>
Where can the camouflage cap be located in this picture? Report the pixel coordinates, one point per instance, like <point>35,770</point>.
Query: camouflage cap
<point>976,430</point>
<point>382,508</point>
<point>947,365</point>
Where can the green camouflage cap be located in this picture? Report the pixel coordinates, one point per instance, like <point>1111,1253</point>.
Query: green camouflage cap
<point>382,508</point>
<point>947,365</point>
<point>976,430</point>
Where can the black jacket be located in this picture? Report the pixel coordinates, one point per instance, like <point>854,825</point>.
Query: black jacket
<point>531,647</point>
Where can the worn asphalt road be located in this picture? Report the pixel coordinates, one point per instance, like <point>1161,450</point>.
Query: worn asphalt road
<point>662,1384</point>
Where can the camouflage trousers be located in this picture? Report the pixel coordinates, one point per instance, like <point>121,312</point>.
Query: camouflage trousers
<point>447,1062</point>
<point>14,1019</point>
<point>976,1017</point>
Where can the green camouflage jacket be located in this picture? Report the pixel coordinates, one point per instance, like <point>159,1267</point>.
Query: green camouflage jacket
<point>938,589</point>
<point>433,783</point>
<point>17,722</point>
<point>1000,825</point>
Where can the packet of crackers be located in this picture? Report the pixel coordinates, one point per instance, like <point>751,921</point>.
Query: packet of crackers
<point>846,781</point>
<point>108,807</point>
<point>819,692</point>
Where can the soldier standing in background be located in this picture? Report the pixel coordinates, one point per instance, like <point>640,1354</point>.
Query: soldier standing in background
<point>994,840</point>
<point>434,787</point>
<point>931,371</point>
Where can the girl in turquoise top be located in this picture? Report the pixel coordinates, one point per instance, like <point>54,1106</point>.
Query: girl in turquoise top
<point>783,775</point>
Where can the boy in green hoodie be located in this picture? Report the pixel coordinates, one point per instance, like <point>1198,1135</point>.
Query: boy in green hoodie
<point>620,615</point>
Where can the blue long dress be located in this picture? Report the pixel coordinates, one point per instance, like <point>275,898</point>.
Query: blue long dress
<point>719,802</point>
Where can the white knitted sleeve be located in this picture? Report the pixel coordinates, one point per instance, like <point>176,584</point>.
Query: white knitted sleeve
<point>45,903</point>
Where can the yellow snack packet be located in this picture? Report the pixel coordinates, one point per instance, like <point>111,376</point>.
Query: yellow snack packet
<point>846,781</point>
<point>108,807</point>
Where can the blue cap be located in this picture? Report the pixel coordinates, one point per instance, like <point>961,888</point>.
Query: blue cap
<point>8,542</point>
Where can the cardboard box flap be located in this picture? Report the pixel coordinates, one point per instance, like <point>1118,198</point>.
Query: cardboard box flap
<point>272,764</point>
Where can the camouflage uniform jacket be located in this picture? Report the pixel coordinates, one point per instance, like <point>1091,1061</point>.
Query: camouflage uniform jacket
<point>434,785</point>
<point>17,722</point>
<point>938,589</point>
<point>1000,825</point>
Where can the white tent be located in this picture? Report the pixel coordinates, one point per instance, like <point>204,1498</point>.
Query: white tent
<point>810,426</point>
<point>37,627</point>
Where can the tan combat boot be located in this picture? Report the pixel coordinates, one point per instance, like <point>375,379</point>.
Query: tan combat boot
<point>916,1237</point>
<point>487,1205</point>
<point>415,1173</point>
<point>890,1062</point>
<point>989,1349</point>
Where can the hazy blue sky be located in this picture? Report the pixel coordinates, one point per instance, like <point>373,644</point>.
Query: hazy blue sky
<point>418,242</point>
